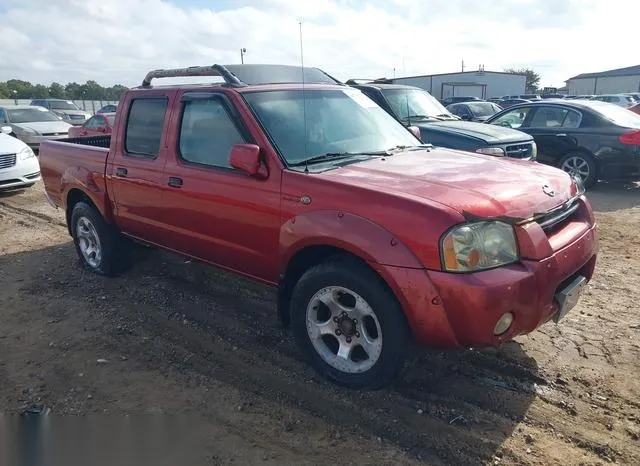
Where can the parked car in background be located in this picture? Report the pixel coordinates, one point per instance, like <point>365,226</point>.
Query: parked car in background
<point>495,100</point>
<point>504,103</point>
<point>373,240</point>
<point>66,109</point>
<point>635,95</point>
<point>528,97</point>
<point>595,140</point>
<point>581,97</point>
<point>110,108</point>
<point>95,126</point>
<point>19,167</point>
<point>552,96</point>
<point>622,100</point>
<point>474,111</point>
<point>33,125</point>
<point>458,99</point>
<point>413,106</point>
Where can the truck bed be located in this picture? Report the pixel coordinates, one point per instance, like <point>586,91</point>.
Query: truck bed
<point>79,159</point>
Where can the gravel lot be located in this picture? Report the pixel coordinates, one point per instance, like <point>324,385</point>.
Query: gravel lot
<point>180,338</point>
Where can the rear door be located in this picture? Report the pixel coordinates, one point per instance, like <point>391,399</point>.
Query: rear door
<point>214,212</point>
<point>554,129</point>
<point>135,169</point>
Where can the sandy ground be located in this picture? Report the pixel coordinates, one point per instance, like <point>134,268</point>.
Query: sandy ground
<point>200,352</point>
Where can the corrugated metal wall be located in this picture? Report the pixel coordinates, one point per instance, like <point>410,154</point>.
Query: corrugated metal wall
<point>469,84</point>
<point>604,85</point>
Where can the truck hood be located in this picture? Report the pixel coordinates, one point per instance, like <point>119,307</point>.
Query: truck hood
<point>492,134</point>
<point>45,127</point>
<point>476,184</point>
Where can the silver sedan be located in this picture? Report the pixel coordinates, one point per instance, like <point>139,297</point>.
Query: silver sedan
<point>32,124</point>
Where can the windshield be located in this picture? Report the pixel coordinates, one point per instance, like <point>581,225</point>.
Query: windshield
<point>337,121</point>
<point>415,103</point>
<point>617,115</point>
<point>482,109</point>
<point>62,105</point>
<point>30,115</point>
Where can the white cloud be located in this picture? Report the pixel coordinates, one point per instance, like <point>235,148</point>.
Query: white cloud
<point>118,41</point>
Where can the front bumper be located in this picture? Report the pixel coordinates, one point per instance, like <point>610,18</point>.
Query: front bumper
<point>34,141</point>
<point>24,173</point>
<point>461,310</point>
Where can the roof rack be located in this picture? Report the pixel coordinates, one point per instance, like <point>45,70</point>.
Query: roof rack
<point>247,75</point>
<point>353,81</point>
<point>213,70</point>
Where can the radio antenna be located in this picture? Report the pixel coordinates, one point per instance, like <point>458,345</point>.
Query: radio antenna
<point>304,99</point>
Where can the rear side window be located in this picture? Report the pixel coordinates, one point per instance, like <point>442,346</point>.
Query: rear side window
<point>144,126</point>
<point>207,133</point>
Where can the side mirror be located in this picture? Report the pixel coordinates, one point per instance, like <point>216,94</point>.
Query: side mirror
<point>415,131</point>
<point>246,158</point>
<point>6,130</point>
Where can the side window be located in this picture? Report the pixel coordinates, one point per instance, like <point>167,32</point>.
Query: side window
<point>548,117</point>
<point>3,117</point>
<point>572,120</point>
<point>514,118</point>
<point>207,133</point>
<point>144,126</point>
<point>93,122</point>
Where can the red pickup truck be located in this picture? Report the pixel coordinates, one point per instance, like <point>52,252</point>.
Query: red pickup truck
<point>373,239</point>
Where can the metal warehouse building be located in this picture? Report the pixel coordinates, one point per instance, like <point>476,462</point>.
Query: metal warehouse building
<point>606,82</point>
<point>483,84</point>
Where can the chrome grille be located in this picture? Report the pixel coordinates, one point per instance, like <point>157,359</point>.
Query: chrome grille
<point>519,151</point>
<point>7,160</point>
<point>555,217</point>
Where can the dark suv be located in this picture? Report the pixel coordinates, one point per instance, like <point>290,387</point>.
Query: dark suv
<point>413,106</point>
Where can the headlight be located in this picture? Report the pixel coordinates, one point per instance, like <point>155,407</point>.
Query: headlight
<point>21,130</point>
<point>495,151</point>
<point>478,246</point>
<point>25,153</point>
<point>577,179</point>
<point>534,151</point>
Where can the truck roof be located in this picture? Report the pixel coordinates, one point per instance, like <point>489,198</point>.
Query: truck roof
<point>244,76</point>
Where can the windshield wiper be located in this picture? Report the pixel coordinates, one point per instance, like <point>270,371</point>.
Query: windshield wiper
<point>336,156</point>
<point>448,115</point>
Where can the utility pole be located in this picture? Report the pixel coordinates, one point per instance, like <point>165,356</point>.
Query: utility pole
<point>242,52</point>
<point>463,65</point>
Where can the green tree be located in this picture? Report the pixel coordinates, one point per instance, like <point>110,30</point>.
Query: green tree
<point>24,89</point>
<point>5,93</point>
<point>40,91</point>
<point>56,91</point>
<point>73,91</point>
<point>533,78</point>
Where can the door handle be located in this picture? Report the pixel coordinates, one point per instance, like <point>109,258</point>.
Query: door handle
<point>122,172</point>
<point>561,135</point>
<point>175,182</point>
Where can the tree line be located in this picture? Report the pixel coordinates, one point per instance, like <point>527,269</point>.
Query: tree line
<point>91,90</point>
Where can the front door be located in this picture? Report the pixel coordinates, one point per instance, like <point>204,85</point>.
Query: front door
<point>216,213</point>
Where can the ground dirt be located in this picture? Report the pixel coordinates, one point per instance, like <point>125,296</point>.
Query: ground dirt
<point>200,352</point>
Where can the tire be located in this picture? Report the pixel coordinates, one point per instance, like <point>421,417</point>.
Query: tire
<point>366,319</point>
<point>99,245</point>
<point>582,164</point>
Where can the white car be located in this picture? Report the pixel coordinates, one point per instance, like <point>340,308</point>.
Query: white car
<point>19,167</point>
<point>33,124</point>
<point>622,100</point>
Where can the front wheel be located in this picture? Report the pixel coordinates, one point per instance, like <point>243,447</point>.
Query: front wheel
<point>349,324</point>
<point>583,165</point>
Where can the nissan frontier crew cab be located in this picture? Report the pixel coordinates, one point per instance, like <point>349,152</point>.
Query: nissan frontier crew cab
<point>373,239</point>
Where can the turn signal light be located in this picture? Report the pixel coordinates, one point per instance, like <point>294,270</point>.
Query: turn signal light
<point>630,138</point>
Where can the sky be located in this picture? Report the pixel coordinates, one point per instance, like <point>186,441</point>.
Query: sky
<point>118,41</point>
